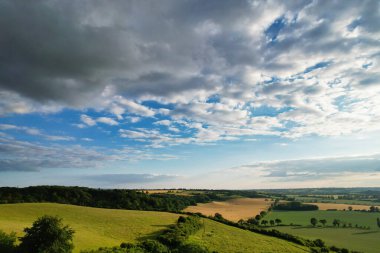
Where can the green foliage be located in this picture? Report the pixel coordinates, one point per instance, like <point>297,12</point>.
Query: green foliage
<point>153,246</point>
<point>313,221</point>
<point>295,206</point>
<point>7,242</point>
<point>177,234</point>
<point>191,248</point>
<point>47,235</point>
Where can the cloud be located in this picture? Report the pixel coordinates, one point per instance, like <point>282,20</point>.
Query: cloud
<point>315,64</point>
<point>25,156</point>
<point>87,120</point>
<point>36,132</point>
<point>116,179</point>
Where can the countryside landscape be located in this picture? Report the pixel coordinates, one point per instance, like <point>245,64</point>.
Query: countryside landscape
<point>190,126</point>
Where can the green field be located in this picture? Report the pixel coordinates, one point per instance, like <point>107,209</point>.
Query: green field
<point>227,239</point>
<point>303,218</point>
<point>351,238</point>
<point>96,227</point>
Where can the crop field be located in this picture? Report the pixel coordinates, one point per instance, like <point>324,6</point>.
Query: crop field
<point>94,227</point>
<point>97,227</point>
<point>327,206</point>
<point>233,209</point>
<point>355,239</point>
<point>227,239</point>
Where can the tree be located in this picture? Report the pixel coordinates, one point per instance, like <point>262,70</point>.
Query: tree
<point>378,222</point>
<point>218,216</point>
<point>350,208</point>
<point>271,222</point>
<point>278,221</point>
<point>313,221</point>
<point>336,222</point>
<point>323,222</point>
<point>264,222</point>
<point>7,242</point>
<point>47,235</point>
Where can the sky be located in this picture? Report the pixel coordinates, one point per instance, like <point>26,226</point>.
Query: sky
<point>193,93</point>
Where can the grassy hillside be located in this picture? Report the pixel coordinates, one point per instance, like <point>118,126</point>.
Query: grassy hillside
<point>97,227</point>
<point>94,227</point>
<point>227,239</point>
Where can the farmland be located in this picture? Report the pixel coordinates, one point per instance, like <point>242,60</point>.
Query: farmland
<point>227,239</point>
<point>365,240</point>
<point>97,227</point>
<point>233,209</point>
<point>338,206</point>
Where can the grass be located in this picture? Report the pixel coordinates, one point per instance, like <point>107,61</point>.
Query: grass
<point>94,227</point>
<point>227,239</point>
<point>233,209</point>
<point>339,206</point>
<point>303,218</point>
<point>351,238</point>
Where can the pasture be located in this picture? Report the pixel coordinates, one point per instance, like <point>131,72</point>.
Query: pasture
<point>94,227</point>
<point>227,239</point>
<point>352,238</point>
<point>97,227</point>
<point>303,218</point>
<point>233,209</point>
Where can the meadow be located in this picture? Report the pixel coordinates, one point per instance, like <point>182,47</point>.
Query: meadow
<point>364,240</point>
<point>227,239</point>
<point>233,209</point>
<point>97,227</point>
<point>94,227</point>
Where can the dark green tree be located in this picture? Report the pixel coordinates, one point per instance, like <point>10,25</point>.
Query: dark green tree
<point>313,221</point>
<point>278,221</point>
<point>323,222</point>
<point>264,222</point>
<point>271,222</point>
<point>378,222</point>
<point>7,242</point>
<point>336,223</point>
<point>47,235</point>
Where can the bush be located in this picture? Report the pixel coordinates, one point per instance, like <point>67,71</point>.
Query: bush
<point>153,246</point>
<point>191,248</point>
<point>47,235</point>
<point>7,242</point>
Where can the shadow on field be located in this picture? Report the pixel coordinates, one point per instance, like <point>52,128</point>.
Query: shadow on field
<point>153,235</point>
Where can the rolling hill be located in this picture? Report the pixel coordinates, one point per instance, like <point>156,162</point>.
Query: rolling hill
<point>96,227</point>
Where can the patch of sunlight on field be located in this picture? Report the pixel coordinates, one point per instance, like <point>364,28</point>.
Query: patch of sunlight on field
<point>94,227</point>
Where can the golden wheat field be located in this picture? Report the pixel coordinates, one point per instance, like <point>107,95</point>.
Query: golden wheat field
<point>233,209</point>
<point>337,206</point>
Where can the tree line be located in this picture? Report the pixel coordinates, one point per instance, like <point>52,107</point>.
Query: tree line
<point>105,198</point>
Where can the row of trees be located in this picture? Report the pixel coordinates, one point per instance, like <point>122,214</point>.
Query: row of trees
<point>116,198</point>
